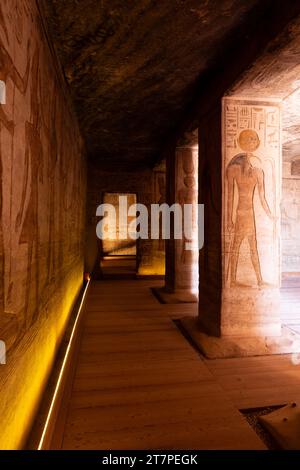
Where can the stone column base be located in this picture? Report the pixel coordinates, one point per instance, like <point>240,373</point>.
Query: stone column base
<point>176,297</point>
<point>238,346</point>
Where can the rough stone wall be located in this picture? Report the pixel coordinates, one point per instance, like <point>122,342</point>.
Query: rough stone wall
<point>42,177</point>
<point>149,186</point>
<point>119,72</point>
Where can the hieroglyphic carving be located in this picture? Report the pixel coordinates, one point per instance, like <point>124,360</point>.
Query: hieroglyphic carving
<point>264,121</point>
<point>251,170</point>
<point>231,126</point>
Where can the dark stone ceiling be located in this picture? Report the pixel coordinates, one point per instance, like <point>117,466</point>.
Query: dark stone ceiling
<point>133,66</point>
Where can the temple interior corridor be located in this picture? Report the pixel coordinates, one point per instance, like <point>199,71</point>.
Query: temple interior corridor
<point>149,225</point>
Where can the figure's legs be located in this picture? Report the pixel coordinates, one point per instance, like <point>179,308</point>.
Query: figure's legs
<point>234,256</point>
<point>255,258</point>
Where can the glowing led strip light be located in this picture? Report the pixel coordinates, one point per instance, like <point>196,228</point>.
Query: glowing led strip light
<point>40,447</point>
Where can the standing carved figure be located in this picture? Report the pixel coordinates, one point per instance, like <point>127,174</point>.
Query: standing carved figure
<point>188,195</point>
<point>51,180</point>
<point>7,71</point>
<point>27,217</point>
<point>241,174</point>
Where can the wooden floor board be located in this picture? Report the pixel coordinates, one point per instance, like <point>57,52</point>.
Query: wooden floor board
<point>256,382</point>
<point>140,385</point>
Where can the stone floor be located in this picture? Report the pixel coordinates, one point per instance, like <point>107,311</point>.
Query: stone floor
<point>139,384</point>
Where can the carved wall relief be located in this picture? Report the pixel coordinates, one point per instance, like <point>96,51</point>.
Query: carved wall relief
<point>42,204</point>
<point>290,220</point>
<point>251,189</point>
<point>186,186</point>
<point>159,193</point>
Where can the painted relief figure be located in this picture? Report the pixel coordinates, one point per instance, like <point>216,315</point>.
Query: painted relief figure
<point>7,71</point>
<point>3,25</point>
<point>9,126</point>
<point>244,177</point>
<point>27,217</point>
<point>188,195</point>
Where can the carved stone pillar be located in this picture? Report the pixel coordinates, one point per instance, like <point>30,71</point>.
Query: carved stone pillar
<point>240,185</point>
<point>159,197</point>
<point>251,218</point>
<point>181,281</point>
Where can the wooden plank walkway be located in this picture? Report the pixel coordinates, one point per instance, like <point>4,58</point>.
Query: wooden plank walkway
<point>140,385</point>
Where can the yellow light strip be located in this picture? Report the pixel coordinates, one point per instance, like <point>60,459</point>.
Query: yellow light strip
<point>40,447</point>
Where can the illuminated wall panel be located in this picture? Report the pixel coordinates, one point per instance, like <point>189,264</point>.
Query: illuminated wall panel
<point>42,176</point>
